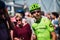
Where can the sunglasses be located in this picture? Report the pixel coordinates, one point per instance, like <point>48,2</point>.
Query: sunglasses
<point>35,12</point>
<point>18,20</point>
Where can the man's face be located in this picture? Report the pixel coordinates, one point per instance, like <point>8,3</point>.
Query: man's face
<point>36,14</point>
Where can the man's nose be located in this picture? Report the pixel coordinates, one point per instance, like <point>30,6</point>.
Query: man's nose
<point>36,12</point>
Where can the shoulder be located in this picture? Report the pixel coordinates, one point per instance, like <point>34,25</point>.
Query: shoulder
<point>46,20</point>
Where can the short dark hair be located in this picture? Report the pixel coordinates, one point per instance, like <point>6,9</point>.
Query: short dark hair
<point>55,14</point>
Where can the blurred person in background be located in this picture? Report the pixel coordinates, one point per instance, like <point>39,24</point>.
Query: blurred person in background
<point>6,26</point>
<point>48,15</point>
<point>55,22</point>
<point>22,30</point>
<point>59,26</point>
<point>29,18</point>
<point>43,26</point>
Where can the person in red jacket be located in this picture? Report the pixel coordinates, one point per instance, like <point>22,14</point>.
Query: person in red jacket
<point>22,32</point>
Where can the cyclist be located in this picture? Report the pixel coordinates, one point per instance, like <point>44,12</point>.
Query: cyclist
<point>42,27</point>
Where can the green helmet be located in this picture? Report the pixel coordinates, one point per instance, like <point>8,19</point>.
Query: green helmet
<point>34,6</point>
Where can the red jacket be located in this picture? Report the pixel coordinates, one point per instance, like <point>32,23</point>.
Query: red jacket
<point>24,32</point>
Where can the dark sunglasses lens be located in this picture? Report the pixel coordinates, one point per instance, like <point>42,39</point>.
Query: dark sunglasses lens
<point>18,20</point>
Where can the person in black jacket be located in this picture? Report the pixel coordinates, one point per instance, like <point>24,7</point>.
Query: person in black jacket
<point>6,26</point>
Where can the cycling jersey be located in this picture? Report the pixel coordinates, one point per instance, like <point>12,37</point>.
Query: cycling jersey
<point>43,29</point>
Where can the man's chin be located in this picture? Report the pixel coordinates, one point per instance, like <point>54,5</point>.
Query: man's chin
<point>37,17</point>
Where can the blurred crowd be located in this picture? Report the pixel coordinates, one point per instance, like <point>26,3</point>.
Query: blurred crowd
<point>28,25</point>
